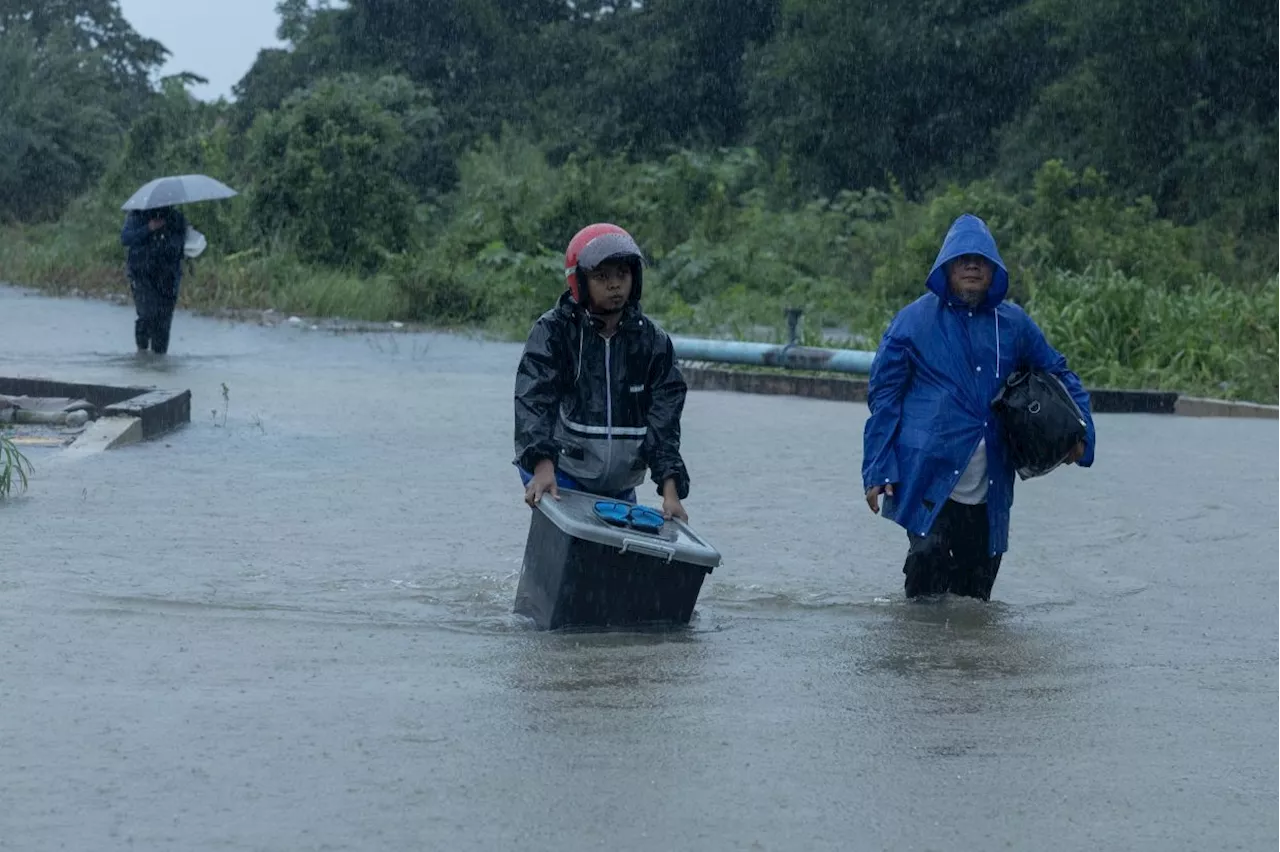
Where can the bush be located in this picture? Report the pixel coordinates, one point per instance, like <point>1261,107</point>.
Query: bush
<point>1130,298</point>
<point>327,175</point>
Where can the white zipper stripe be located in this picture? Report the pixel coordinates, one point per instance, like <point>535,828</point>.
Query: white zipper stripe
<point>608,408</point>
<point>608,391</point>
<point>616,431</point>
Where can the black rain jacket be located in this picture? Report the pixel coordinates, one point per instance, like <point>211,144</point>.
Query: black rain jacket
<point>603,409</point>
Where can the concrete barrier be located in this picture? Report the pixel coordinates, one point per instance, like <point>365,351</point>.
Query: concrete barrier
<point>1194,406</point>
<point>99,395</point>
<point>785,384</point>
<point>159,410</point>
<point>126,414</point>
<point>1104,400</point>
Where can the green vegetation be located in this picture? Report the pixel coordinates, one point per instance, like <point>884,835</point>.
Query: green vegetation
<point>396,164</point>
<point>14,468</point>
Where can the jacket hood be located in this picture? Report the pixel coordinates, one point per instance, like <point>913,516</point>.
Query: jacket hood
<point>969,235</point>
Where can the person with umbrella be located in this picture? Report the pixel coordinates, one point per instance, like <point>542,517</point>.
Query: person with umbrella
<point>157,236</point>
<point>155,239</point>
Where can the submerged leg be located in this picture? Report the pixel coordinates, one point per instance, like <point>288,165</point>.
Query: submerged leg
<point>927,568</point>
<point>975,567</point>
<point>160,325</point>
<point>141,323</point>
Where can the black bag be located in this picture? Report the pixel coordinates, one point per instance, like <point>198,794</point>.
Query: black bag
<point>1042,423</point>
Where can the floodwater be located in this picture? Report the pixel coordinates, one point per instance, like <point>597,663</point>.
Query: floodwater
<point>287,627</point>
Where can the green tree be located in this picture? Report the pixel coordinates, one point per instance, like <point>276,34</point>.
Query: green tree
<point>73,74</point>
<point>1176,100</point>
<point>98,32</point>
<point>652,77</point>
<point>56,137</point>
<point>852,92</point>
<point>481,58</point>
<point>314,50</point>
<point>329,170</point>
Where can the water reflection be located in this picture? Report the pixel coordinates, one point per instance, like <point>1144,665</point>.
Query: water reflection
<point>953,637</point>
<point>957,678</point>
<point>631,668</point>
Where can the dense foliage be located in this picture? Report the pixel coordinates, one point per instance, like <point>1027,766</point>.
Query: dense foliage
<point>428,161</point>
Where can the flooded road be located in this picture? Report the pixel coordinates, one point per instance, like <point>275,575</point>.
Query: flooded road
<point>287,626</point>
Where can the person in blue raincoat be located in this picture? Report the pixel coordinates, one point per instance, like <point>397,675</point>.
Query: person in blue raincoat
<point>931,447</point>
<point>156,240</point>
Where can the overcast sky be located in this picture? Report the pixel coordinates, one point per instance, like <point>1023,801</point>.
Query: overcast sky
<point>217,39</point>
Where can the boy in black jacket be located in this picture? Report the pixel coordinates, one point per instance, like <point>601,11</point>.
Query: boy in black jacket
<point>598,395</point>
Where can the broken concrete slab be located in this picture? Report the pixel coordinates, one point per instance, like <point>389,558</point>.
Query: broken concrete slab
<point>142,412</point>
<point>107,433</point>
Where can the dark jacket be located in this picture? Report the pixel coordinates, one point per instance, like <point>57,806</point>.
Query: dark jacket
<point>602,409</point>
<point>155,257</point>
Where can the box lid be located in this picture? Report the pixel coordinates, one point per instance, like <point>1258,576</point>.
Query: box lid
<point>574,513</point>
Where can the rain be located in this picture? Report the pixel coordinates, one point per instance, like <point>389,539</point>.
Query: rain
<point>298,618</point>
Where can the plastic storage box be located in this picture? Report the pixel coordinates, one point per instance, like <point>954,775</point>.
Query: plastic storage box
<point>582,571</point>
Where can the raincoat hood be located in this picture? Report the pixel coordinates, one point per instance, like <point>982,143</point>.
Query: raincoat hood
<point>969,235</point>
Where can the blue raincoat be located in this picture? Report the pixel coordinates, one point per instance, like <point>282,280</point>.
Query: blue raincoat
<point>935,373</point>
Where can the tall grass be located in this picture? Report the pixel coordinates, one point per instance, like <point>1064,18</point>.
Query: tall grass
<point>14,467</point>
<point>53,259</point>
<point>1131,299</point>
<point>1205,337</point>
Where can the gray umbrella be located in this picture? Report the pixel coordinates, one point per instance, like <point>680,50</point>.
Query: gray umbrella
<point>180,189</point>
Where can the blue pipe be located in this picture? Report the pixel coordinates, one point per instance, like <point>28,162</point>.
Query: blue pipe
<point>773,355</point>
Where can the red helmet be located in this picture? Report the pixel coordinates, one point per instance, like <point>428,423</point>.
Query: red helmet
<point>594,245</point>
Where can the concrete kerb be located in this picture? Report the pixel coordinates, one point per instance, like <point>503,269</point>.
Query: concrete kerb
<point>1104,400</point>
<point>1194,406</point>
<point>126,415</point>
